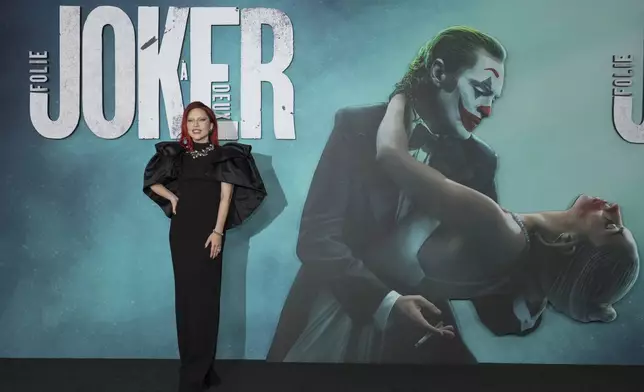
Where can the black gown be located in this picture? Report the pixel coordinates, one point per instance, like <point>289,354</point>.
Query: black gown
<point>197,183</point>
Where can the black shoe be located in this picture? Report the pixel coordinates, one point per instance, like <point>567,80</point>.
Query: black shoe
<point>212,379</point>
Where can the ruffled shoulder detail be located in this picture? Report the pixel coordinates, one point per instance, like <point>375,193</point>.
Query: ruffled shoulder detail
<point>169,148</point>
<point>234,164</point>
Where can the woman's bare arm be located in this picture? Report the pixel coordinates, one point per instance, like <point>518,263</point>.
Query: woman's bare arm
<point>450,202</point>
<point>163,192</point>
<point>224,206</point>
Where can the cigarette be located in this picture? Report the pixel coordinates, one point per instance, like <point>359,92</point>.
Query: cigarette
<point>427,335</point>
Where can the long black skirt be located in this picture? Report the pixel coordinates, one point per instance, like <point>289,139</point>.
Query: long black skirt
<point>197,284</point>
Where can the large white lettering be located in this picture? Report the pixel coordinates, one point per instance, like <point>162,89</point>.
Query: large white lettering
<point>204,72</point>
<point>623,101</point>
<point>253,73</point>
<point>69,107</point>
<point>158,67</point>
<point>159,56</point>
<point>124,72</point>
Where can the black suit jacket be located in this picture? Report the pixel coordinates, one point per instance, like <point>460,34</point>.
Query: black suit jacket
<point>350,205</point>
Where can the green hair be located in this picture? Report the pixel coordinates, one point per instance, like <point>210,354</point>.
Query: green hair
<point>456,46</point>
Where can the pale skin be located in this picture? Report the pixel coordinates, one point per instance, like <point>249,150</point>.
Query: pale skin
<point>463,99</point>
<point>486,227</point>
<point>199,129</point>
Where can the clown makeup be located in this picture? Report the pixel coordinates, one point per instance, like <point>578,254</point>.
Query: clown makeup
<point>471,100</point>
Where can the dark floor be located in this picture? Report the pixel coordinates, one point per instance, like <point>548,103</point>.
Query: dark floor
<point>96,375</point>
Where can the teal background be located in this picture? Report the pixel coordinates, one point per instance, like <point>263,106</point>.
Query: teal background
<point>84,259</point>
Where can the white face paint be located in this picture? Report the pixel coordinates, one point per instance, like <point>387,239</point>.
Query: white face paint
<point>471,100</point>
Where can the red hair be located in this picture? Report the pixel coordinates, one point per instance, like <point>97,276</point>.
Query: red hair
<point>185,139</point>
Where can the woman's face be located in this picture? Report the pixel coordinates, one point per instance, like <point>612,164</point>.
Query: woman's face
<point>600,221</point>
<point>199,125</point>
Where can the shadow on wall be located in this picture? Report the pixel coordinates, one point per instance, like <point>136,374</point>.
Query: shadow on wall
<point>232,328</point>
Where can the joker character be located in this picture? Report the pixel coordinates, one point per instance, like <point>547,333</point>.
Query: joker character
<point>581,260</point>
<point>341,306</point>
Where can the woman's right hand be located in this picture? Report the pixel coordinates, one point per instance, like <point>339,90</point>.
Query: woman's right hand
<point>174,200</point>
<point>166,194</point>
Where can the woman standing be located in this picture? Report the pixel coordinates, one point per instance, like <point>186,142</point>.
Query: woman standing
<point>205,189</point>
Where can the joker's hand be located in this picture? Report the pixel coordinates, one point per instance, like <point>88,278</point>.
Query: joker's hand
<point>411,307</point>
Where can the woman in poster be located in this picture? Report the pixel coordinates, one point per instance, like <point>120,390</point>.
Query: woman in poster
<point>205,189</point>
<point>581,260</point>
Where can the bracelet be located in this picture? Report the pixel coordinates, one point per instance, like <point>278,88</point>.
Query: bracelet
<point>218,233</point>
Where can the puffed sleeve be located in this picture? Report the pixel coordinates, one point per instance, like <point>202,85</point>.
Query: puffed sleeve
<point>234,164</point>
<point>162,169</point>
